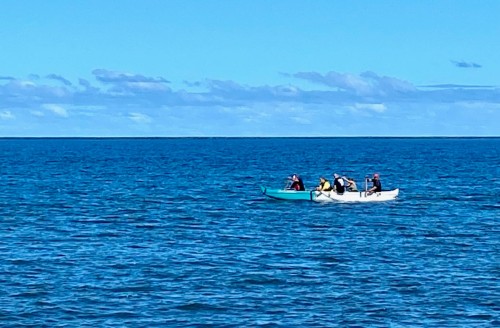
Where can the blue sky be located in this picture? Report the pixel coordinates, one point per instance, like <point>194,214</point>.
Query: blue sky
<point>249,68</point>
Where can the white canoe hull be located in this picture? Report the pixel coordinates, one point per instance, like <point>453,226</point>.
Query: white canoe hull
<point>358,196</point>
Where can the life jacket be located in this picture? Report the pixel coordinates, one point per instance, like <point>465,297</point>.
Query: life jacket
<point>326,185</point>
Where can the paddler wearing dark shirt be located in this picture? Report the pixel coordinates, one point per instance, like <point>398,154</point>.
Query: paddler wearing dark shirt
<point>377,185</point>
<point>297,183</point>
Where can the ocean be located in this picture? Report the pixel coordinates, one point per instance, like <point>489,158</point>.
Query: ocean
<point>174,232</point>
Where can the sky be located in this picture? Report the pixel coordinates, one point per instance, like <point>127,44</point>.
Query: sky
<point>245,68</point>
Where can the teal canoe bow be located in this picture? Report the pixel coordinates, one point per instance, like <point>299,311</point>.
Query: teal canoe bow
<point>284,194</point>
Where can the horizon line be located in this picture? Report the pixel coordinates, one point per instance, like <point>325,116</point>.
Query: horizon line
<point>254,137</point>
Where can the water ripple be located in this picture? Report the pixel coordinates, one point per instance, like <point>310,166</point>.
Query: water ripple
<point>175,232</point>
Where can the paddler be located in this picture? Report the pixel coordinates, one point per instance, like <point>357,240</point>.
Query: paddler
<point>377,185</point>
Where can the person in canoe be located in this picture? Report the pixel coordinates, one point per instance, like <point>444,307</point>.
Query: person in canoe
<point>338,184</point>
<point>351,184</point>
<point>377,185</point>
<point>297,183</point>
<point>324,185</point>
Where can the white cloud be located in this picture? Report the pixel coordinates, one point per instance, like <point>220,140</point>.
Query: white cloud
<point>301,120</point>
<point>231,108</point>
<point>365,84</point>
<point>37,113</point>
<point>127,83</point>
<point>478,105</point>
<point>24,83</point>
<point>56,109</point>
<point>140,118</point>
<point>147,86</point>
<point>379,108</point>
<point>6,115</point>
<point>105,75</point>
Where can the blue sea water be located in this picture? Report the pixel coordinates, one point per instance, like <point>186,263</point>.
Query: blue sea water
<point>175,232</point>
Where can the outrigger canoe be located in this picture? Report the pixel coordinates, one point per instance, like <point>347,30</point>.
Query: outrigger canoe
<point>330,196</point>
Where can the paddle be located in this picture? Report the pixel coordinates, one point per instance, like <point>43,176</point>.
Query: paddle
<point>366,186</point>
